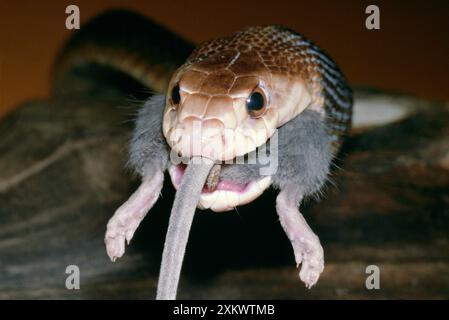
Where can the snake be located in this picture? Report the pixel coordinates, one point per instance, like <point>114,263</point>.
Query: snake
<point>224,99</point>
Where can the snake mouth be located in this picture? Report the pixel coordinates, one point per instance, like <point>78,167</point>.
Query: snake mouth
<point>226,194</point>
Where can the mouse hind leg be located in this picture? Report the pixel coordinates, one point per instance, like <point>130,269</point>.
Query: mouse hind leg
<point>306,244</point>
<point>304,156</point>
<point>130,214</point>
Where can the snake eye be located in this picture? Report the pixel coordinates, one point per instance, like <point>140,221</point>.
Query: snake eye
<point>175,95</point>
<point>256,104</point>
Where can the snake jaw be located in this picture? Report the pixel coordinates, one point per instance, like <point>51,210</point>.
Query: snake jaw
<point>225,195</point>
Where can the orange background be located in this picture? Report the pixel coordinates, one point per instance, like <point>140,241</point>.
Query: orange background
<point>410,53</point>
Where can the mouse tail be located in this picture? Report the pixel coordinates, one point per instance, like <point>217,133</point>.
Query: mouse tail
<point>181,217</point>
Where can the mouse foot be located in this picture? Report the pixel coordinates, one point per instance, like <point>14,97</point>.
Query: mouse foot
<point>306,245</point>
<point>127,218</point>
<point>309,253</point>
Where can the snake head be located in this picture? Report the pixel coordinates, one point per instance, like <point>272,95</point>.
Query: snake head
<point>223,105</point>
<point>228,99</point>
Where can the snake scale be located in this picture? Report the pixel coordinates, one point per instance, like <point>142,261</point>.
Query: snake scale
<point>228,98</point>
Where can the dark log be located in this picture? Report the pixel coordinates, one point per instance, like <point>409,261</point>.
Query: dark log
<point>62,177</point>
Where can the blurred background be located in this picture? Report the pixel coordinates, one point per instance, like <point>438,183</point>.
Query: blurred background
<point>408,54</point>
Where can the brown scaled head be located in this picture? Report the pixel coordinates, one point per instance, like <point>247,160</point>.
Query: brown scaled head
<point>229,97</point>
<point>223,102</point>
